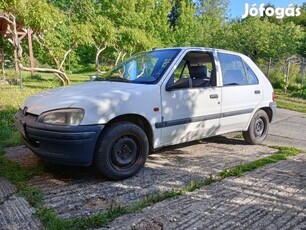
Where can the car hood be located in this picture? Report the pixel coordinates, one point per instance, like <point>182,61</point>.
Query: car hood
<point>68,96</point>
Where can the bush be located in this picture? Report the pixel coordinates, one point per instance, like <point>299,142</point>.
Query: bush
<point>84,69</point>
<point>277,79</point>
<point>300,93</point>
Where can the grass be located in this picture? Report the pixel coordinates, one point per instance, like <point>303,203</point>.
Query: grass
<point>239,136</point>
<point>286,101</point>
<point>282,154</point>
<point>19,176</point>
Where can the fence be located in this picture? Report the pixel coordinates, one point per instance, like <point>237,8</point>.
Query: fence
<point>285,73</point>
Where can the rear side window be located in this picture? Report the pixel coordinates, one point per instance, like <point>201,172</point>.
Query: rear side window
<point>251,77</point>
<point>233,72</point>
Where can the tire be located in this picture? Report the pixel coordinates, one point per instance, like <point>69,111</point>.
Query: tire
<point>121,151</point>
<point>258,129</point>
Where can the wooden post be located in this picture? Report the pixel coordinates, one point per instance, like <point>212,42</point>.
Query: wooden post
<point>16,61</point>
<point>3,72</point>
<point>287,76</point>
<point>269,68</point>
<point>15,43</point>
<point>29,32</point>
<point>303,71</point>
<point>2,62</point>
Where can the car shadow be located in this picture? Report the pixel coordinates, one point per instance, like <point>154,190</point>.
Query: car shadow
<point>176,149</point>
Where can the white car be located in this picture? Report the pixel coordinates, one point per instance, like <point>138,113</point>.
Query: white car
<point>156,98</point>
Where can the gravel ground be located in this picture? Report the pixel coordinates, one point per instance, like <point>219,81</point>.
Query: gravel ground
<point>77,191</point>
<point>273,197</point>
<point>15,212</point>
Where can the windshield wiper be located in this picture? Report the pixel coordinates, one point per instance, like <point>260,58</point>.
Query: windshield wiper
<point>120,79</point>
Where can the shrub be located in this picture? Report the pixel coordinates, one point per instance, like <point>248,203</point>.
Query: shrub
<point>300,93</point>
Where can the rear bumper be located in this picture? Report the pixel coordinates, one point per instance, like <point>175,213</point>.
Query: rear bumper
<point>70,145</point>
<point>273,107</point>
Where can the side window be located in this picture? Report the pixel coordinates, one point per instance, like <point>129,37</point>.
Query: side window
<point>196,70</point>
<point>181,71</point>
<point>233,72</point>
<point>251,77</point>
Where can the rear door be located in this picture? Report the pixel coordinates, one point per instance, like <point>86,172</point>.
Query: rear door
<point>241,92</point>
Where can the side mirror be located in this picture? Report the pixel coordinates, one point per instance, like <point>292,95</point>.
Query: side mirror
<point>182,83</point>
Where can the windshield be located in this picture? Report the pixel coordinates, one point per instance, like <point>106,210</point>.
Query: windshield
<point>146,67</point>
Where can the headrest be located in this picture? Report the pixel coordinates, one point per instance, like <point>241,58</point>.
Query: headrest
<point>198,71</point>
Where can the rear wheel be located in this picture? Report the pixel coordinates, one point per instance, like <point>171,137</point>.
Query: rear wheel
<point>121,151</point>
<point>258,129</point>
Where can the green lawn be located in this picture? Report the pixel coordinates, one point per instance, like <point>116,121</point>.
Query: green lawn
<point>286,101</point>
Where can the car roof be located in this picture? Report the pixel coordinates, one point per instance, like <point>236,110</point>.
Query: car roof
<point>201,48</point>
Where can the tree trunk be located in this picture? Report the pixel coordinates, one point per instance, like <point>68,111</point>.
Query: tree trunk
<point>99,51</point>
<point>61,75</point>
<point>117,60</point>
<point>60,71</point>
<point>64,59</point>
<point>122,59</point>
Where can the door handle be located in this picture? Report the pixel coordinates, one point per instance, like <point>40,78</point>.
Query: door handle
<point>257,91</point>
<point>212,96</point>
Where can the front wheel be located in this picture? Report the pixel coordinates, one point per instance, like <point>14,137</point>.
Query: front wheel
<point>121,151</point>
<point>258,129</point>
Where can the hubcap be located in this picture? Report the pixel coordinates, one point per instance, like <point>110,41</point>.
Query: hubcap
<point>124,152</point>
<point>259,127</point>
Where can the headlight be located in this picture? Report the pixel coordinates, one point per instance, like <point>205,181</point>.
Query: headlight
<point>62,117</point>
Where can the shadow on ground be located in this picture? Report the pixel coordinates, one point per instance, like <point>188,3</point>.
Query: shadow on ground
<point>80,191</point>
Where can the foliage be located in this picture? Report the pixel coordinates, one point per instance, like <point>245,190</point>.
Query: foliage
<point>301,93</point>
<point>259,38</point>
<point>89,31</point>
<point>35,14</point>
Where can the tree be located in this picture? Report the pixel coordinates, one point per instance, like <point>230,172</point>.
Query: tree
<point>186,27</point>
<point>63,39</point>
<point>212,8</point>
<point>32,15</point>
<point>35,14</point>
<point>103,35</point>
<point>260,38</point>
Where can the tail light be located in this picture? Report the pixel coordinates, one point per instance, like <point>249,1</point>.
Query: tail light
<point>273,96</point>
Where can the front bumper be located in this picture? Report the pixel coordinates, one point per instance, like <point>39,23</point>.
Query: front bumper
<point>70,145</point>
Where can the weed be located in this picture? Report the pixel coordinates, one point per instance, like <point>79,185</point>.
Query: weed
<point>301,93</point>
<point>282,154</point>
<point>33,195</point>
<point>239,136</point>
